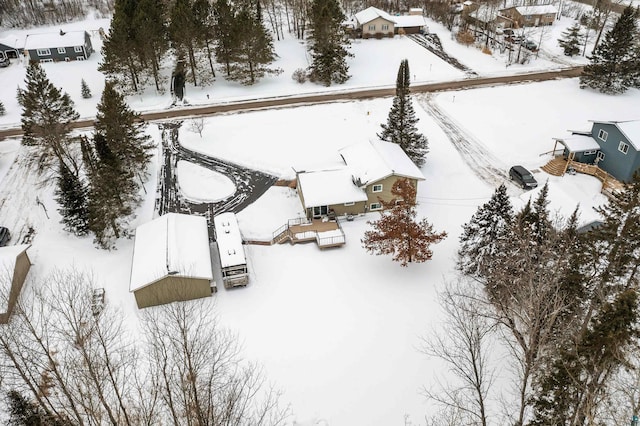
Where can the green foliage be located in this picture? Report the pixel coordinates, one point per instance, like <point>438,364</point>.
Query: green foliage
<point>402,120</point>
<point>571,40</point>
<point>613,63</point>
<point>84,89</point>
<point>71,195</point>
<point>484,235</point>
<point>3,111</point>
<point>118,163</point>
<point>328,43</point>
<point>47,115</point>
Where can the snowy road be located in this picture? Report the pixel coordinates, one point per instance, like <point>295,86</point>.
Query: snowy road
<point>477,156</point>
<point>250,184</point>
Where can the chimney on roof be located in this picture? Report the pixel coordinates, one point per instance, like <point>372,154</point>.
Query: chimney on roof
<point>62,32</point>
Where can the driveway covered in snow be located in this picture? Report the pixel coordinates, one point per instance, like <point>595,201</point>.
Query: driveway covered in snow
<point>249,184</point>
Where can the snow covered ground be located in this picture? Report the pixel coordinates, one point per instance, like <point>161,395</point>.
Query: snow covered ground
<point>337,330</point>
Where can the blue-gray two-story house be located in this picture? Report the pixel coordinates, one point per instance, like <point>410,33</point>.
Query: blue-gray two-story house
<point>62,46</point>
<point>614,146</point>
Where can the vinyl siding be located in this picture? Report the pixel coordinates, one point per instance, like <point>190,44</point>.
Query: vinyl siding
<point>17,281</point>
<point>172,289</point>
<point>619,165</point>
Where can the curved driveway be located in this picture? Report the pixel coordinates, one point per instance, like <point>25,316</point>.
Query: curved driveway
<point>250,184</point>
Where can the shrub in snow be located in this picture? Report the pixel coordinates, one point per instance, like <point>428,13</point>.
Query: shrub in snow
<point>299,75</point>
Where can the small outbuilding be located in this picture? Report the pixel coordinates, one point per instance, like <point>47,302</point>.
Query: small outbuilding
<point>233,262</point>
<point>171,261</point>
<point>61,46</point>
<point>14,267</point>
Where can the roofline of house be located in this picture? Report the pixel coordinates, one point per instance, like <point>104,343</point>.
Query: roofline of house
<point>615,123</point>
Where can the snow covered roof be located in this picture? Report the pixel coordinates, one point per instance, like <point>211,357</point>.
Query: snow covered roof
<point>173,244</point>
<point>579,143</point>
<point>484,13</point>
<point>327,187</point>
<point>8,256</point>
<point>371,13</point>
<point>13,41</point>
<point>406,21</point>
<point>631,129</point>
<point>541,9</point>
<point>375,160</point>
<point>53,40</point>
<point>229,240</point>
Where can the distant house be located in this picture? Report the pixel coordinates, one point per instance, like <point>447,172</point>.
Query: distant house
<point>613,146</point>
<point>528,16</point>
<point>62,46</point>
<point>369,172</point>
<point>14,267</point>
<point>482,16</point>
<point>373,22</point>
<point>171,261</point>
<point>11,47</point>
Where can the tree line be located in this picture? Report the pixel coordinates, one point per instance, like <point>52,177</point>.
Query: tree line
<point>99,178</point>
<point>66,361</point>
<point>562,304</point>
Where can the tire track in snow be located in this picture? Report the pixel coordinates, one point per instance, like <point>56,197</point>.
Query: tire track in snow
<point>480,160</point>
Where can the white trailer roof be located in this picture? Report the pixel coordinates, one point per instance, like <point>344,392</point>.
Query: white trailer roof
<point>229,240</point>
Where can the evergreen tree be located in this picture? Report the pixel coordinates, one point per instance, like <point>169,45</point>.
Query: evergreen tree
<point>47,115</point>
<point>227,34</point>
<point>84,89</point>
<point>3,111</point>
<point>401,124</point>
<point>480,242</point>
<point>571,40</point>
<point>254,51</point>
<point>151,43</point>
<point>328,43</point>
<point>123,131</point>
<point>610,70</point>
<point>23,412</point>
<point>398,233</point>
<point>71,195</point>
<point>183,32</point>
<point>119,61</point>
<point>118,164</point>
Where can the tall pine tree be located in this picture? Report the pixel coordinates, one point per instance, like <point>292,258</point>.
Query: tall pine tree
<point>401,124</point>
<point>47,115</point>
<point>398,233</point>
<point>482,238</point>
<point>72,196</point>
<point>117,167</point>
<point>328,43</point>
<point>611,69</point>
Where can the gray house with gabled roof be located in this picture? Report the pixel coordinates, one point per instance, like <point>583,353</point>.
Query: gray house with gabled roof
<point>614,146</point>
<point>61,46</point>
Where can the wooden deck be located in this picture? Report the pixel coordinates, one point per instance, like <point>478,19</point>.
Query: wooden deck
<point>326,233</point>
<point>559,165</point>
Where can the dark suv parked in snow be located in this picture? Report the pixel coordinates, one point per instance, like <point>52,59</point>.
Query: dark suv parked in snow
<point>523,176</point>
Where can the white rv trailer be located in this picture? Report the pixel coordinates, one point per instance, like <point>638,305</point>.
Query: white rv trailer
<point>232,259</point>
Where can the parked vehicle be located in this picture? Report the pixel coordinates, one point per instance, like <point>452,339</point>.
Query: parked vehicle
<point>523,177</point>
<point>4,62</point>
<point>508,32</point>
<point>528,44</point>
<point>5,236</point>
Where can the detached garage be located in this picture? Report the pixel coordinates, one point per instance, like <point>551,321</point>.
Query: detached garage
<point>14,266</point>
<point>171,261</point>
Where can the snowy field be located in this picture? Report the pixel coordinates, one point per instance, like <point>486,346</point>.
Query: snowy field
<point>338,330</point>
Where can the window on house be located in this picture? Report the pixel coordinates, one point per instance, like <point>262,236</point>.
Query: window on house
<point>385,27</point>
<point>372,27</point>
<point>78,49</point>
<point>600,157</point>
<point>623,147</point>
<point>602,135</point>
<point>46,61</point>
<point>80,58</point>
<point>377,188</point>
<point>375,206</point>
<point>589,152</point>
<point>62,50</point>
<point>351,203</point>
<point>43,52</point>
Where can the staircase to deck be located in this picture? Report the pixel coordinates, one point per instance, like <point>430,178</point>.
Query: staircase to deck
<point>556,166</point>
